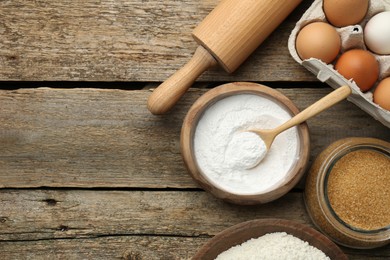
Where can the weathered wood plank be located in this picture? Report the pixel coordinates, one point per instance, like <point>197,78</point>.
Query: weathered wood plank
<point>52,214</point>
<point>107,138</point>
<point>126,247</point>
<point>112,224</point>
<point>123,41</point>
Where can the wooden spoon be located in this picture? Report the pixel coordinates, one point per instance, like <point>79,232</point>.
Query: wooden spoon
<point>268,135</point>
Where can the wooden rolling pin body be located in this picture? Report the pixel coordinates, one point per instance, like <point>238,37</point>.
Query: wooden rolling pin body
<point>227,36</point>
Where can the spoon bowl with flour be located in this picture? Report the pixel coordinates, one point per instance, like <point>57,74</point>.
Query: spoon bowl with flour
<point>267,136</point>
<point>245,150</point>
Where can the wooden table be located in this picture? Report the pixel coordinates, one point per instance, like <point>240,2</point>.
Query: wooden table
<point>86,172</point>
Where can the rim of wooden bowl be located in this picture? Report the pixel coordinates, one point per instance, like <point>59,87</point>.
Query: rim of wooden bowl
<point>189,127</point>
<point>244,231</point>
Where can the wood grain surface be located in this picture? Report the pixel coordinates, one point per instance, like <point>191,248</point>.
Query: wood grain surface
<point>60,145</point>
<point>53,214</point>
<point>111,247</point>
<point>108,138</point>
<point>123,41</point>
<point>86,171</point>
<point>95,225</point>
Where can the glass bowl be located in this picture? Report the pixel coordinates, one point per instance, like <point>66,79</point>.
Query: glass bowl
<point>347,192</point>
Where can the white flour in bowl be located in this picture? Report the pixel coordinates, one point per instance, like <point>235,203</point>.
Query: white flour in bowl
<point>218,154</point>
<point>273,246</point>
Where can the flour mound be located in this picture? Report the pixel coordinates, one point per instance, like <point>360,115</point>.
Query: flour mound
<point>244,151</point>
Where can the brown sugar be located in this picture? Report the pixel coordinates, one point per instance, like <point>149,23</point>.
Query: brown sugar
<point>358,189</point>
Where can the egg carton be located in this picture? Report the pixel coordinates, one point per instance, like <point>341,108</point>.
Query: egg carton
<point>351,38</point>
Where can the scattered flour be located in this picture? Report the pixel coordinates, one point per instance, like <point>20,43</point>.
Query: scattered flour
<point>225,156</point>
<point>273,246</point>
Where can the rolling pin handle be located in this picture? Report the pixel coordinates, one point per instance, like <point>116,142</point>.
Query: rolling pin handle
<point>165,96</point>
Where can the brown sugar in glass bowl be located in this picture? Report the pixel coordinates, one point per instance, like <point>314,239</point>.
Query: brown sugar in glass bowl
<point>347,192</point>
<point>194,115</point>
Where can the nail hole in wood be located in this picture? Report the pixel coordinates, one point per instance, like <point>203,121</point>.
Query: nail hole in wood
<point>63,228</point>
<point>50,202</point>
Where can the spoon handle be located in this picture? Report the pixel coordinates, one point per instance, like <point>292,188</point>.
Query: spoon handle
<point>165,96</point>
<point>324,103</point>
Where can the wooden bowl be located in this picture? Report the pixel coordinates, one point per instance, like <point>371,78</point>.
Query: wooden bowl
<point>189,127</point>
<point>242,232</point>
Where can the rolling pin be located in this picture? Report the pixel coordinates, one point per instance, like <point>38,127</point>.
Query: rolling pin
<point>227,36</point>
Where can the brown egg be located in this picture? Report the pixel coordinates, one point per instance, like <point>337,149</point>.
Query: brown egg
<point>345,12</point>
<point>359,65</point>
<point>318,40</point>
<point>382,94</point>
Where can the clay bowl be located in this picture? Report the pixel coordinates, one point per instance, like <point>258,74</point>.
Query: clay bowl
<point>189,128</point>
<point>242,232</point>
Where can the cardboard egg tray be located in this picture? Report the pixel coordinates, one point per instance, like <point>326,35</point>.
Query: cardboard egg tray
<point>351,38</point>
